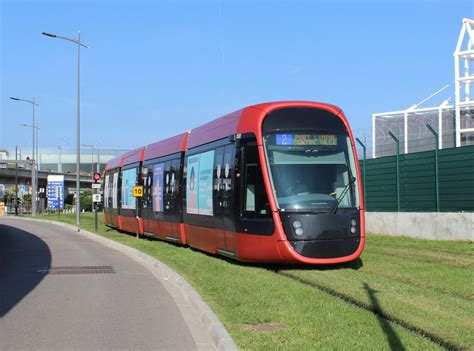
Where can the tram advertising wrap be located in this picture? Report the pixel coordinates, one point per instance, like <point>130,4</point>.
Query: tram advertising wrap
<point>128,182</point>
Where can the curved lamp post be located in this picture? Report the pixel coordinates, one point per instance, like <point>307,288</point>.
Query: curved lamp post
<point>78,128</point>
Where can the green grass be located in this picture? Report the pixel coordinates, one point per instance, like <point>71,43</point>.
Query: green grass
<point>426,286</point>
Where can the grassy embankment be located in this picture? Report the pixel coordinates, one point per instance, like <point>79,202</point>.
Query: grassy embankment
<point>403,294</point>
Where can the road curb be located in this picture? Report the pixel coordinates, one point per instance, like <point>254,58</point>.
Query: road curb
<point>189,300</point>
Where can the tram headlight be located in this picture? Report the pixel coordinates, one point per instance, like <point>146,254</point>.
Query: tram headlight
<point>297,224</point>
<point>353,226</point>
<point>299,231</point>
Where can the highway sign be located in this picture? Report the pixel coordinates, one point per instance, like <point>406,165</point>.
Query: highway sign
<point>138,191</point>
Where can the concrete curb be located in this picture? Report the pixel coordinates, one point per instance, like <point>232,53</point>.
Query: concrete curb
<point>186,298</point>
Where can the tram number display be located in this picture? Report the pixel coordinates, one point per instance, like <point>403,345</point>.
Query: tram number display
<point>138,191</point>
<point>306,139</point>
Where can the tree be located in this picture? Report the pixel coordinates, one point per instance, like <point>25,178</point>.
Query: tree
<point>27,199</point>
<point>86,200</point>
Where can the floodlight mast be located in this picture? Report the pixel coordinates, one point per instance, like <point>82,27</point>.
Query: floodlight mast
<point>466,54</point>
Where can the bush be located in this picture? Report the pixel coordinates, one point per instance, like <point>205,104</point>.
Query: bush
<point>86,200</point>
<point>69,200</point>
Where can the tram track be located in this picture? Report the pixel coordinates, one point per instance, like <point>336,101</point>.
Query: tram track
<point>387,317</point>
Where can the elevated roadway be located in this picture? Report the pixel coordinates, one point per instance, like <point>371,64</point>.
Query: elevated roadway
<point>7,176</point>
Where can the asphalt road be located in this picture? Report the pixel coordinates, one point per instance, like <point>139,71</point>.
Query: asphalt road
<point>61,291</point>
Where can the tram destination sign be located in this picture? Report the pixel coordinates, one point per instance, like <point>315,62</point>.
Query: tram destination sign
<point>306,139</point>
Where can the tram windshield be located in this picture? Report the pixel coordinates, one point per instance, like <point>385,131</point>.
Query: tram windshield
<point>310,171</point>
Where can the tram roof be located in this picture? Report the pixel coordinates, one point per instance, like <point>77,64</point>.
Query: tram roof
<point>133,156</point>
<point>114,163</point>
<point>165,147</point>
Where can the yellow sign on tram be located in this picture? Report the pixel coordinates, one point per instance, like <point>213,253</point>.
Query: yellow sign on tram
<point>138,191</point>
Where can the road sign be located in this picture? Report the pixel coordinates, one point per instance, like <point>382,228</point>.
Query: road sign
<point>138,191</point>
<point>96,197</point>
<point>55,192</point>
<point>95,186</point>
<point>96,177</point>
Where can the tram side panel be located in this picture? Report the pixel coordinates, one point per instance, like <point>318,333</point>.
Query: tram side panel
<point>162,202</point>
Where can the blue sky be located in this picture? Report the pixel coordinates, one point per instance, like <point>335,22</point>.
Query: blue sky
<point>157,68</point>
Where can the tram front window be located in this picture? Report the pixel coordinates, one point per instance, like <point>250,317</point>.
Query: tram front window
<point>310,170</point>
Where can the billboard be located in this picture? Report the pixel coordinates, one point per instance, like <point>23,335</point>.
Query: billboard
<point>199,183</point>
<point>192,184</point>
<point>206,166</point>
<point>55,191</point>
<point>129,179</point>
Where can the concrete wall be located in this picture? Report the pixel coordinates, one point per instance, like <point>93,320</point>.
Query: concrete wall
<point>429,225</point>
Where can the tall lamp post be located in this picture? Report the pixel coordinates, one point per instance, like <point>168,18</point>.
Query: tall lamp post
<point>36,155</point>
<point>33,163</point>
<point>78,128</point>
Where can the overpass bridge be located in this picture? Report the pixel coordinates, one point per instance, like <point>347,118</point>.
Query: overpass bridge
<point>8,176</point>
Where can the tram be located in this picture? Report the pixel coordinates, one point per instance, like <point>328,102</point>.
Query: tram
<point>273,182</point>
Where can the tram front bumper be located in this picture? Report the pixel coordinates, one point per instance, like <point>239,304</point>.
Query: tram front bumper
<point>322,235</point>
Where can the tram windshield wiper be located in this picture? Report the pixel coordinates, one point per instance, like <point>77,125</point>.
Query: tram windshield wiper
<point>335,206</point>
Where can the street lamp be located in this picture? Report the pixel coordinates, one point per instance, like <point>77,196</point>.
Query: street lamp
<point>33,164</point>
<point>78,131</point>
<point>36,153</point>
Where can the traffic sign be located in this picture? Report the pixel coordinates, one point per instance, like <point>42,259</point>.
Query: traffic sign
<point>138,191</point>
<point>55,191</point>
<point>95,186</point>
<point>96,177</point>
<point>96,197</point>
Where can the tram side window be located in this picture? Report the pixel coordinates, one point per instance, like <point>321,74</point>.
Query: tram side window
<point>108,190</point>
<point>115,189</point>
<point>255,199</point>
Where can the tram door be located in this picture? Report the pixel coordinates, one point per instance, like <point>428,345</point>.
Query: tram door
<point>115,198</point>
<point>223,199</point>
<point>228,198</point>
<point>217,196</point>
<point>171,198</point>
<point>149,224</point>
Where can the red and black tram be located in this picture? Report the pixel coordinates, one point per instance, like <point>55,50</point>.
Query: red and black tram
<point>274,182</point>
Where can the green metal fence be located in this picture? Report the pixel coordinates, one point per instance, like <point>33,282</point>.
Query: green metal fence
<point>418,179</point>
